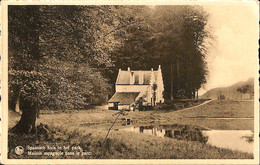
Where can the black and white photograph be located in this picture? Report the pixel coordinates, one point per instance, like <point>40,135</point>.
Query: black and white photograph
<point>130,83</point>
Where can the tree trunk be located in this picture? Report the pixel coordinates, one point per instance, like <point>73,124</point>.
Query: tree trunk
<point>194,94</point>
<point>13,101</point>
<point>28,119</point>
<point>17,106</point>
<point>171,82</point>
<point>191,90</point>
<point>178,71</point>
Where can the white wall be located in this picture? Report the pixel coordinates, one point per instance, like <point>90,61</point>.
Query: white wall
<point>110,104</point>
<point>121,107</point>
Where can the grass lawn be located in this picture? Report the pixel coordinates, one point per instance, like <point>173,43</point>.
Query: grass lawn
<point>88,129</point>
<point>222,109</point>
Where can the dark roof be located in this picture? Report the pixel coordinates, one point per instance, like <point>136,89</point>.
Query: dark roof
<point>124,97</point>
<point>124,76</point>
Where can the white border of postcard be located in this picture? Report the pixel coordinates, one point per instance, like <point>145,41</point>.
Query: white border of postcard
<point>4,81</point>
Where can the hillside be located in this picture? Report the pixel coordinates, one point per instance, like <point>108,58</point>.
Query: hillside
<point>230,92</point>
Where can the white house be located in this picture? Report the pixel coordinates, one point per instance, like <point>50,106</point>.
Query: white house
<point>137,89</point>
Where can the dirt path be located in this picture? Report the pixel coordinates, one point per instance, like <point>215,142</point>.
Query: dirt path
<point>185,109</point>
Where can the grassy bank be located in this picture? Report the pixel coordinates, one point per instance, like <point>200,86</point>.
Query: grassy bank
<point>120,145</point>
<point>222,109</point>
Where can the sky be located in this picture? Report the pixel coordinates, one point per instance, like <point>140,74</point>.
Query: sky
<point>233,56</point>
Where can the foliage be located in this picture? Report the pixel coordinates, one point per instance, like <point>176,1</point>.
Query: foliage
<point>29,85</point>
<point>175,37</point>
<point>246,88</point>
<point>181,35</point>
<point>135,33</point>
<point>53,62</point>
<point>79,33</point>
<point>25,78</point>
<point>74,86</point>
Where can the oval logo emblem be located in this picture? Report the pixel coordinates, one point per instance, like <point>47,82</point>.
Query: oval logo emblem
<point>19,150</point>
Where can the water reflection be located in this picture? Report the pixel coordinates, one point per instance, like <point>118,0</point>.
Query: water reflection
<point>180,132</point>
<point>240,140</point>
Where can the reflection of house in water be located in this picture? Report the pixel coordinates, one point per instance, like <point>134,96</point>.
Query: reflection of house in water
<point>169,133</point>
<point>152,131</point>
<point>149,130</point>
<point>191,135</point>
<point>233,139</point>
<point>175,133</point>
<point>184,133</point>
<point>132,129</point>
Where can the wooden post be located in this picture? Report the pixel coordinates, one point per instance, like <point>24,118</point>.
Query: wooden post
<point>178,70</point>
<point>121,112</point>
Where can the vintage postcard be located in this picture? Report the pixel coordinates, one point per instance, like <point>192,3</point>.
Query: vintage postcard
<point>129,82</point>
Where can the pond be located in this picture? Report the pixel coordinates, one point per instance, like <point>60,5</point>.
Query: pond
<point>241,140</point>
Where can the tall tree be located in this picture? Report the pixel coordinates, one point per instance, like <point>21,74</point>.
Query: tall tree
<point>24,78</point>
<point>55,53</point>
<point>181,34</point>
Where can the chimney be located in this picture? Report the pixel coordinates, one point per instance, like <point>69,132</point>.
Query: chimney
<point>152,77</point>
<point>128,69</point>
<point>159,68</point>
<point>117,79</point>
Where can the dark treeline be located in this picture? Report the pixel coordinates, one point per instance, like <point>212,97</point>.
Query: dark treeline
<point>67,57</point>
<point>175,37</point>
